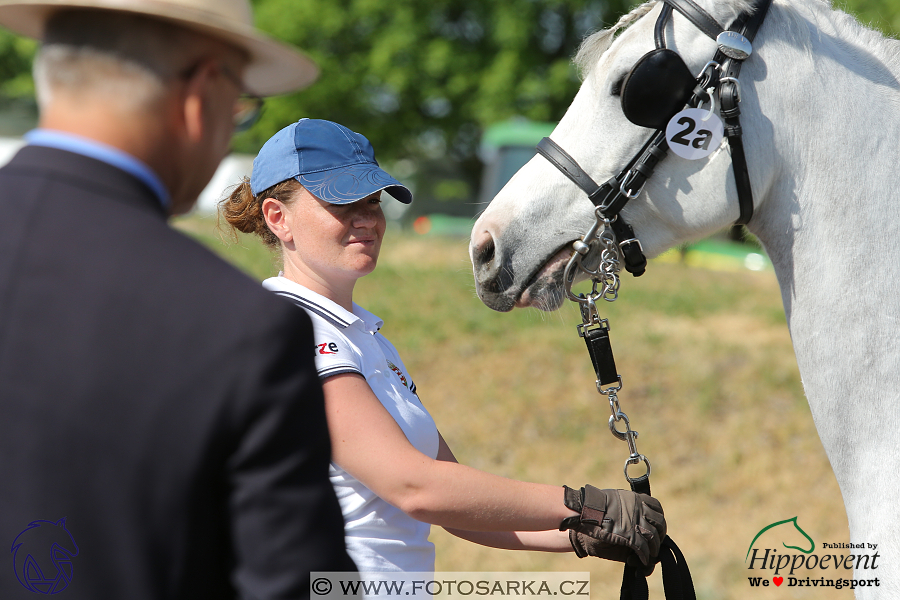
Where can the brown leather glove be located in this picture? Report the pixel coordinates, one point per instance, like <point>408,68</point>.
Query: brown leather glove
<point>614,524</point>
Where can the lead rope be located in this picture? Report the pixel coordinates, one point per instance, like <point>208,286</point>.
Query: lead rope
<point>677,581</point>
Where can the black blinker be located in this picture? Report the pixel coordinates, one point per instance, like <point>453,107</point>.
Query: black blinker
<point>658,86</point>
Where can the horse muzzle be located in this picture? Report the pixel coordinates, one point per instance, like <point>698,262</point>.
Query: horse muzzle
<point>502,286</point>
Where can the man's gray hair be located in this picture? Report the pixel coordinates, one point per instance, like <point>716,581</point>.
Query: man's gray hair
<point>124,57</point>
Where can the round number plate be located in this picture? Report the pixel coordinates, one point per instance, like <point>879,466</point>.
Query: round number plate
<point>694,133</point>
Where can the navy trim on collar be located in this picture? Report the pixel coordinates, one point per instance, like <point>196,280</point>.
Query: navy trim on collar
<point>312,307</point>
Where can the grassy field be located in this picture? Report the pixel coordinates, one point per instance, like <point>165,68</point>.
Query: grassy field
<point>710,382</point>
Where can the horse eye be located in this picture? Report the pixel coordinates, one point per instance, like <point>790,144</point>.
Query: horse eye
<point>616,88</point>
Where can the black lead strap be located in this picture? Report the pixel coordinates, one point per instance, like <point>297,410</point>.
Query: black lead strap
<point>677,581</point>
<point>600,351</point>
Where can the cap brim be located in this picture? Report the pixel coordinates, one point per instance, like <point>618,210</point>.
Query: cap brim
<point>274,67</point>
<point>353,182</point>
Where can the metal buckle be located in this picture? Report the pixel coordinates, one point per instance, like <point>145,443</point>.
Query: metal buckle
<point>623,187</point>
<point>737,86</point>
<point>632,241</point>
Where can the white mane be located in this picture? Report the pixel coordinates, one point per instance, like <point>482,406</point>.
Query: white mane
<point>593,47</point>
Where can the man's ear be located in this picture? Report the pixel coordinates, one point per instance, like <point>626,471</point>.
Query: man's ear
<point>275,214</point>
<point>194,103</point>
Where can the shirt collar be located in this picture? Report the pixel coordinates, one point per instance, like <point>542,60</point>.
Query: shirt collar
<point>60,140</point>
<point>322,306</point>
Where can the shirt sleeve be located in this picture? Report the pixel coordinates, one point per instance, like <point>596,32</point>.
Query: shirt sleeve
<point>333,352</point>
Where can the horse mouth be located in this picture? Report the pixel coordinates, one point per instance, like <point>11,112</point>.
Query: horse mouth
<point>545,290</point>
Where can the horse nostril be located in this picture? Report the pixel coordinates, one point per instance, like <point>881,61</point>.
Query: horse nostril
<point>492,274</point>
<point>485,254</point>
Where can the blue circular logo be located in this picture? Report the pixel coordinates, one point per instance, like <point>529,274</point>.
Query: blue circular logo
<point>42,556</point>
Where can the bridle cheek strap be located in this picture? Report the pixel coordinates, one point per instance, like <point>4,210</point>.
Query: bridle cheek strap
<point>607,198</point>
<point>729,102</point>
<point>747,25</point>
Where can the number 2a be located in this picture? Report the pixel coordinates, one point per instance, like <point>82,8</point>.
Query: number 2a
<point>704,136</point>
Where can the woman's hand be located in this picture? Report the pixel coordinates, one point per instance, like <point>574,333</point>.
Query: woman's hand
<point>615,524</point>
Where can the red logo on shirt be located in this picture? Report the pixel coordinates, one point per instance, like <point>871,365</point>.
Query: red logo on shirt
<point>326,348</point>
<point>399,373</point>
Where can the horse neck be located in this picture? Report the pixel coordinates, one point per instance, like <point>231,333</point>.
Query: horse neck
<point>828,95</point>
<point>824,133</point>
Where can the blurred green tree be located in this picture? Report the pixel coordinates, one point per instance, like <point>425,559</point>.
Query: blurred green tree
<point>16,54</point>
<point>883,15</point>
<point>422,78</point>
<point>18,111</point>
<point>416,73</point>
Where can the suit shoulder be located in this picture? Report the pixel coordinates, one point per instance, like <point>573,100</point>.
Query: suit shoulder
<point>223,285</point>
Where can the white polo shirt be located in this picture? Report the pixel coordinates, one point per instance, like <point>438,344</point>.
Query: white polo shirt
<point>379,536</point>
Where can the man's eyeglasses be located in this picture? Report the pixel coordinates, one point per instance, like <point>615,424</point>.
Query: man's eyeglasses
<point>248,106</point>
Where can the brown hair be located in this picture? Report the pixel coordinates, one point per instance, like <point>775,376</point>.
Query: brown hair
<point>243,210</point>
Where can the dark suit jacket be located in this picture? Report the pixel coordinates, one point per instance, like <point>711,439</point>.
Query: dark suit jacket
<point>162,403</point>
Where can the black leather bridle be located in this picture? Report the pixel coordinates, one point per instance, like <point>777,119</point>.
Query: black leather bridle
<point>653,108</point>
<point>657,88</point>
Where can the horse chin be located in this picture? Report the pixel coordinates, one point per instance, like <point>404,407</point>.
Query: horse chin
<point>545,290</point>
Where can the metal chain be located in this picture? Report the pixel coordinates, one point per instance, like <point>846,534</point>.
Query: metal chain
<point>606,278</point>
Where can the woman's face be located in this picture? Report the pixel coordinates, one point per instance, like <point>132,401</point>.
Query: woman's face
<point>333,242</point>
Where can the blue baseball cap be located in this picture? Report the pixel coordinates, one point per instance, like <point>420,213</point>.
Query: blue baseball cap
<point>333,163</point>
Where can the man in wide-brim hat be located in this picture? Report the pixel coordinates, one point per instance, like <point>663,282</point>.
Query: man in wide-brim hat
<point>274,68</point>
<point>155,440</point>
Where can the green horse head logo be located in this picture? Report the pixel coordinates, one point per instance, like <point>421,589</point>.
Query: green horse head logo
<point>812,544</point>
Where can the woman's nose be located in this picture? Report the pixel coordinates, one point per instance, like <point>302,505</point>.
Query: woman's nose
<point>365,214</point>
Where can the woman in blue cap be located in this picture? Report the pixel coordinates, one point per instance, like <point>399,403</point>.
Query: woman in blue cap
<point>315,195</point>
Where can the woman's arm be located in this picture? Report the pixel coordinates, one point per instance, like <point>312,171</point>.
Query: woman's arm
<point>546,541</point>
<point>542,541</point>
<point>369,444</point>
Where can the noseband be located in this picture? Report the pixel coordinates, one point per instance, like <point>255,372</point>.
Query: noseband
<point>657,88</point>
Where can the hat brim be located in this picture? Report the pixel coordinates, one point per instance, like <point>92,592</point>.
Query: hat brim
<point>274,67</point>
<point>345,185</point>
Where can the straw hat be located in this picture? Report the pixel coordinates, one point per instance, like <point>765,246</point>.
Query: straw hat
<point>275,68</point>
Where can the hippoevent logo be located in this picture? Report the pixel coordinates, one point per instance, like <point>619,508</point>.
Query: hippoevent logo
<point>836,565</point>
<point>42,556</point>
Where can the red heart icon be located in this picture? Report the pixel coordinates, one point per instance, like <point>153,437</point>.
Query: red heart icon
<point>778,580</point>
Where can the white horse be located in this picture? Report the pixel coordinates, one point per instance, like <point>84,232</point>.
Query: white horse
<point>820,112</point>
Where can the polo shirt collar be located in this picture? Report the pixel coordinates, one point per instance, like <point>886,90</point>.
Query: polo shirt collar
<point>328,309</point>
